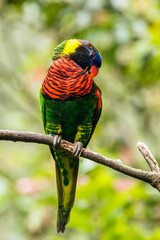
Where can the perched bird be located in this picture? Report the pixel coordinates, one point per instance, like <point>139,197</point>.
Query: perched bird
<point>71,106</point>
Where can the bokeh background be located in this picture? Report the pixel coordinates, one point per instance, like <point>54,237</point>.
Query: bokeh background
<point>108,204</point>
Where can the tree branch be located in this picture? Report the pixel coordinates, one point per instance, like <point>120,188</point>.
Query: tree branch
<point>153,164</point>
<point>152,177</point>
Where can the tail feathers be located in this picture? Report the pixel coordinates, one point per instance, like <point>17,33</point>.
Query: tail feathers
<point>66,194</point>
<point>62,219</point>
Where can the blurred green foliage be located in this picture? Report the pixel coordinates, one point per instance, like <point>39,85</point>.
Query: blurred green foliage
<point>108,205</point>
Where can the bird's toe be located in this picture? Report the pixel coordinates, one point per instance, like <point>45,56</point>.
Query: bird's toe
<point>56,140</point>
<point>77,148</point>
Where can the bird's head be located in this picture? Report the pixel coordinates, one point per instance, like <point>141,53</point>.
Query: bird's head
<point>81,52</point>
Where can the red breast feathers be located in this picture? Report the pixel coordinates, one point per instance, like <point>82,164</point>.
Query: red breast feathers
<point>66,79</point>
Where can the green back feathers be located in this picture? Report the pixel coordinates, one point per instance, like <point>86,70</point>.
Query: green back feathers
<point>66,48</point>
<point>58,50</point>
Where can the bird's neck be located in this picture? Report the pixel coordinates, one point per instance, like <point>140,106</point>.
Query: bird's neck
<point>66,79</point>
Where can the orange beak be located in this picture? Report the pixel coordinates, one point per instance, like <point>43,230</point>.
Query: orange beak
<point>94,71</point>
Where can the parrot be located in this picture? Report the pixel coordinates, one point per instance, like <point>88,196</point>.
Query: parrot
<point>71,105</point>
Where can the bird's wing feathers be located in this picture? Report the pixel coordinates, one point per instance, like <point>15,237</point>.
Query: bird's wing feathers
<point>97,112</point>
<point>43,109</point>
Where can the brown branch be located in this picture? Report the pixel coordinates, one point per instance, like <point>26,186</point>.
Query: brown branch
<point>152,177</point>
<point>153,164</point>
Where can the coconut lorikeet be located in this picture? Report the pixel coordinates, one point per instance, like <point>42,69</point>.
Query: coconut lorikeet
<point>70,106</point>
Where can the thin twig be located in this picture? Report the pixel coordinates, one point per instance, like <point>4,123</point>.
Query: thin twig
<point>152,177</point>
<point>153,164</point>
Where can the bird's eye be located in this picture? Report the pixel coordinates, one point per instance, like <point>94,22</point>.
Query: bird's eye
<point>91,55</point>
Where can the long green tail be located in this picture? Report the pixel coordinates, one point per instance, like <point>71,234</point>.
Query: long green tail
<point>66,177</point>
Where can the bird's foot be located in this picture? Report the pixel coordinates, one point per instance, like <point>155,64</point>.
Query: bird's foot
<point>77,149</point>
<point>56,140</point>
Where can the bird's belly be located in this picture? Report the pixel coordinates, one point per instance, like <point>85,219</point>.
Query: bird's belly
<point>70,115</point>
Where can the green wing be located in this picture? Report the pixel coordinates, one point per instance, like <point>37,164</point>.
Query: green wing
<point>86,130</point>
<point>43,109</point>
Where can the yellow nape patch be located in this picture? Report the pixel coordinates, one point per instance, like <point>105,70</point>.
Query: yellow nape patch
<point>71,46</point>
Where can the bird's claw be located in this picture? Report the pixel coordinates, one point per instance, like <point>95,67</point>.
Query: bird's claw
<point>56,140</point>
<point>77,148</point>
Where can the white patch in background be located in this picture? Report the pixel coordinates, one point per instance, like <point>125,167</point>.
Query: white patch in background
<point>83,19</point>
<point>119,4</point>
